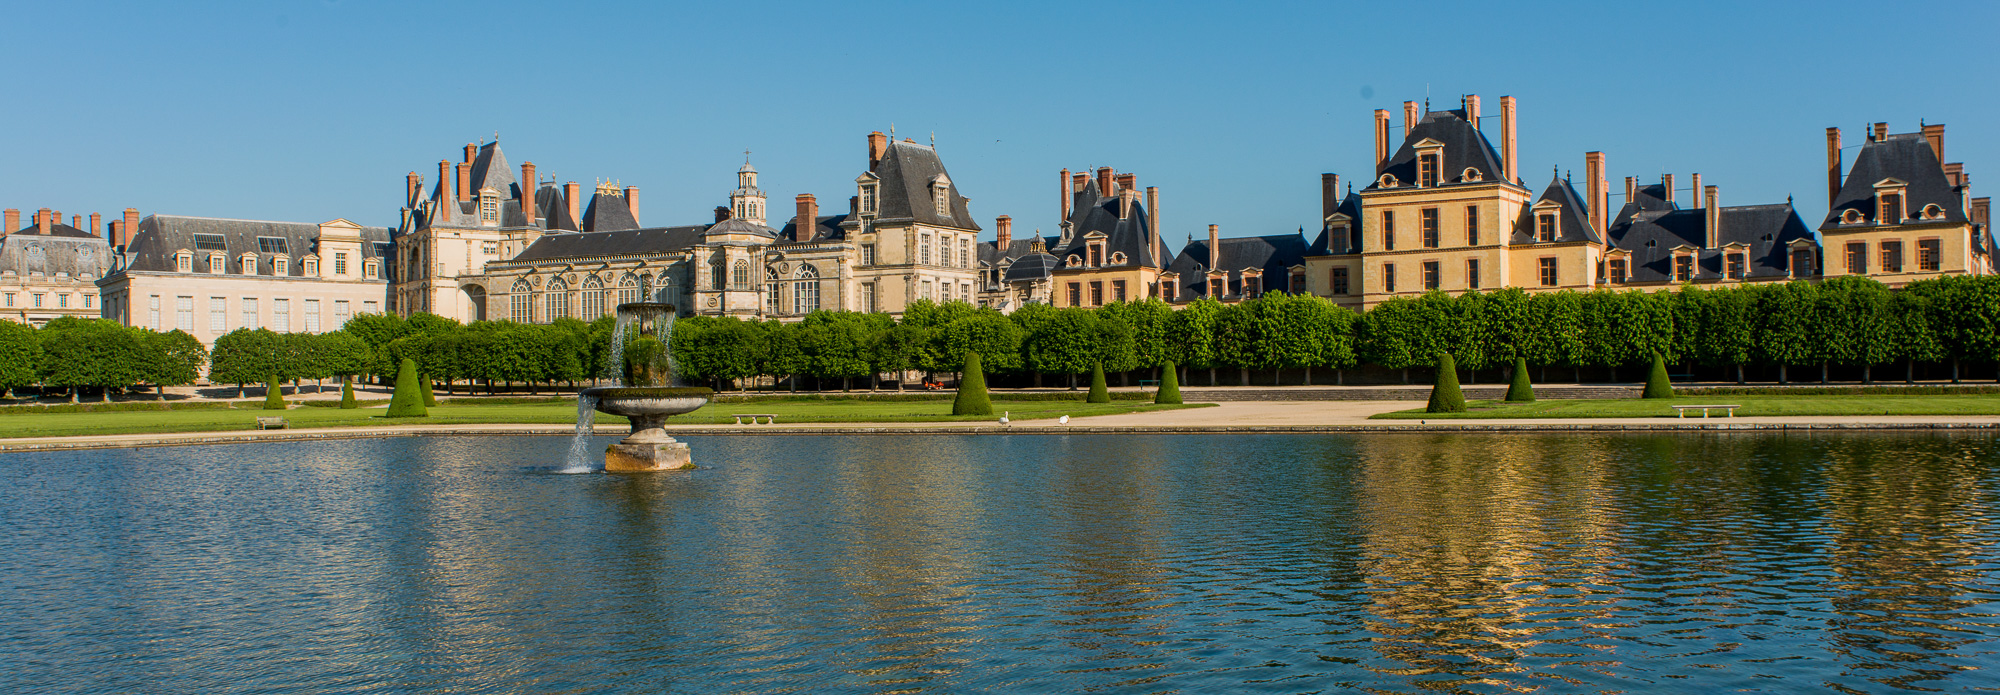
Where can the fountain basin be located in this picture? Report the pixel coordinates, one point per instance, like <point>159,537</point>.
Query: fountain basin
<point>648,448</point>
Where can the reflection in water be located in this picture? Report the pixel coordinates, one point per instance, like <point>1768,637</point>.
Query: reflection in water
<point>1386,563</point>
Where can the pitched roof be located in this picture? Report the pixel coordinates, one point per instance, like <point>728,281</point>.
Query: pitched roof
<point>1031,266</point>
<point>64,249</point>
<point>1572,225</point>
<point>161,236</point>
<point>1274,255</point>
<point>990,253</point>
<point>55,229</point>
<point>552,205</point>
<point>1906,157</point>
<point>1465,147</point>
<point>1093,212</point>
<point>1326,244</point>
<point>490,170</point>
<point>738,225</point>
<point>624,242</point>
<point>907,170</point>
<point>608,213</point>
<point>1651,235</point>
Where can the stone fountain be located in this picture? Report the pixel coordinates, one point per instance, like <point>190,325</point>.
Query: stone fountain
<point>646,394</point>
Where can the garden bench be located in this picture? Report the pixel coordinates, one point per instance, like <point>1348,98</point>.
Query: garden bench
<point>272,423</point>
<point>1681,410</point>
<point>768,418</point>
<point>1143,383</point>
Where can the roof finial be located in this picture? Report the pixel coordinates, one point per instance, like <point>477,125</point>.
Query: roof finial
<point>933,139</point>
<point>496,137</point>
<point>892,131</point>
<point>746,155</point>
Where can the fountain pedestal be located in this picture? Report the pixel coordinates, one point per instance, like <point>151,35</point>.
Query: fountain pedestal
<point>647,448</point>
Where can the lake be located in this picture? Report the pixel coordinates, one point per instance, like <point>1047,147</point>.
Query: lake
<point>1859,562</point>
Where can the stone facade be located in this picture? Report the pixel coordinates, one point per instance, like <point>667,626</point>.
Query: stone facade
<point>49,269</point>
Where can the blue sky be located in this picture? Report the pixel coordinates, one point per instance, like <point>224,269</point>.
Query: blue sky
<point>307,111</point>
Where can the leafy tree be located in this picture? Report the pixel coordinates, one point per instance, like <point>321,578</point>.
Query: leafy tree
<point>1191,335</point>
<point>91,352</point>
<point>896,350</point>
<point>1555,330</point>
<point>1445,394</point>
<point>173,358</point>
<point>1725,333</point>
<point>971,398</point>
<point>838,344</point>
<point>20,355</point>
<point>1853,325</point>
<point>245,356</point>
<point>986,333</point>
<point>1784,325</point>
<point>1063,343</point>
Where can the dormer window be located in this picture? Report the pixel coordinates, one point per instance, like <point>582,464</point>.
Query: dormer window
<point>868,199</point>
<point>184,261</point>
<point>1469,175</point>
<point>1387,181</point>
<point>1891,209</point>
<point>1933,212</point>
<point>489,207</point>
<point>941,195</point>
<point>247,264</point>
<point>217,263</point>
<point>1545,226</point>
<point>1851,216</point>
<point>1427,170</point>
<point>1096,255</point>
<point>311,266</point>
<point>1074,261</point>
<point>1118,258</point>
<point>370,270</point>
<point>281,266</point>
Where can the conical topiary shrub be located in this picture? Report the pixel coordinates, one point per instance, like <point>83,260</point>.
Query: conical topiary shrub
<point>274,399</point>
<point>408,400</point>
<point>347,401</point>
<point>1445,396</point>
<point>1170,385</point>
<point>424,380</point>
<point>972,398</point>
<point>1522,391</point>
<point>1098,392</point>
<point>1657,383</point>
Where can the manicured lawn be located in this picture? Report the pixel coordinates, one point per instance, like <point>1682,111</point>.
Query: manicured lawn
<point>1753,406</point>
<point>68,424</point>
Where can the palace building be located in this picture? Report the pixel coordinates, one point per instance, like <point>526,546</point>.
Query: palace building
<point>1109,249</point>
<point>1901,213</point>
<point>49,269</point>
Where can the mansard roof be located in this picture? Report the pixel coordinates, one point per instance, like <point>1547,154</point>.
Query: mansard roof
<point>1094,212</point>
<point>825,228</point>
<point>738,225</point>
<point>1906,157</point>
<point>65,249</point>
<point>1274,255</point>
<point>55,229</point>
<point>608,213</point>
<point>623,242</point>
<point>1650,236</point>
<point>907,170</point>
<point>1572,224</point>
<point>490,170</point>
<point>161,236</point>
<point>1465,147</point>
<point>990,253</point>
<point>1326,244</point>
<point>1031,266</point>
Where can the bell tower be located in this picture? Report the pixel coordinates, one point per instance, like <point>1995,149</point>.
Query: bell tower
<point>747,201</point>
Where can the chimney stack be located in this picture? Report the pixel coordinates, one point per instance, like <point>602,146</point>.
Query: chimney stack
<point>1066,192</point>
<point>1128,182</point>
<point>1982,211</point>
<point>411,184</point>
<point>1126,197</point>
<point>42,221</point>
<point>1103,182</point>
<point>464,182</point>
<point>721,214</point>
<point>1631,188</point>
<point>807,223</point>
<point>96,224</point>
<point>470,150</point>
<point>632,201</point>
<point>878,145</point>
<point>75,221</point>
<point>1881,131</point>
<point>1934,132</point>
<point>1004,226</point>
<point>1955,173</point>
<point>1694,190</point>
<point>1381,140</point>
<point>1329,196</point>
<point>1153,224</point>
<point>1713,216</point>
<point>1832,165</point>
<point>1077,182</point>
<point>1410,117</point>
<point>1508,155</point>
<point>1593,165</point>
<point>13,217</point>
<point>446,189</point>
<point>529,188</point>
<point>1214,243</point>
<point>1666,182</point>
<point>130,228</point>
<point>573,195</point>
<point>1472,110</point>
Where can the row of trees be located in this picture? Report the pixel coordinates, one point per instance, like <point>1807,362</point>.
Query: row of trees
<point>74,354</point>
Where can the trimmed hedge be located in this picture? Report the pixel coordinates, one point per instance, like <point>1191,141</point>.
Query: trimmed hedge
<point>1445,395</point>
<point>408,400</point>
<point>1098,392</point>
<point>971,398</point>
<point>133,406</point>
<point>1657,383</point>
<point>1522,390</point>
<point>1169,392</point>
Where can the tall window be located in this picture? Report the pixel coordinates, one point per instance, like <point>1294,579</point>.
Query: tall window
<point>249,313</point>
<point>1096,255</point>
<point>281,266</point>
<point>1472,273</point>
<point>218,263</point>
<point>342,311</point>
<point>867,199</point>
<point>1802,263</point>
<point>281,315</point>
<point>1471,225</point>
<point>184,262</point>
<point>868,297</point>
<point>1218,287</point>
<point>1548,272</point>
<point>1617,272</point>
<point>312,267</point>
<point>720,279</point>
<point>556,300</point>
<point>1388,230</point>
<point>1097,294</point>
<point>805,293</point>
<point>868,254</point>
<point>1892,209</point>
<point>1253,286</point>
<point>1117,290</point>
<point>1427,170</point>
<point>489,208</point>
<point>1338,279</point>
<point>924,249</point>
<point>964,252</point>
<point>739,275</point>
<point>1733,266</point>
<point>1929,253</point>
<point>218,315</point>
<point>1892,256</point>
<point>772,290</point>
<point>1545,227</point>
<point>184,313</point>
<point>1076,294</point>
<point>942,196</point>
<point>628,289</point>
<point>593,298</point>
<point>312,315</point>
<point>1431,279</point>
<point>521,303</point>
<point>339,263</point>
<point>1683,268</point>
<point>1428,220</point>
<point>1388,277</point>
<point>1857,258</point>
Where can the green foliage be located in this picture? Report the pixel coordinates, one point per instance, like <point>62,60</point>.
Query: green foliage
<point>1169,392</point>
<point>1060,341</point>
<point>1191,334</point>
<point>408,400</point>
<point>173,358</point>
<point>1657,384</point>
<point>424,386</point>
<point>972,398</point>
<point>20,354</point>
<point>1521,390</point>
<point>1098,392</point>
<point>1445,394</point>
<point>92,352</point>
<point>986,333</point>
<point>273,398</point>
<point>347,401</point>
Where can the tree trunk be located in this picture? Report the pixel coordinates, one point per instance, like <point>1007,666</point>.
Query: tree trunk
<point>1245,372</point>
<point>1954,370</point>
<point>1309,375</point>
<point>874,381</point>
<point>1781,374</point>
<point>1868,374</point>
<point>1910,371</point>
<point>239,390</point>
<point>1072,381</point>
<point>1211,376</point>
<point>1124,378</point>
<point>72,394</point>
<point>105,395</point>
<point>159,392</point>
<point>1339,377</point>
<point>1406,376</point>
<point>1578,371</point>
<point>845,382</point>
<point>1739,375</point>
<point>1038,380</point>
<point>1822,372</point>
<point>795,383</point>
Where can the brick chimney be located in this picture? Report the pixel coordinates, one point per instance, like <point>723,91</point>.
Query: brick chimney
<point>529,188</point>
<point>1713,216</point>
<point>1214,246</point>
<point>1066,192</point>
<point>464,182</point>
<point>721,214</point>
<point>1666,182</point>
<point>1126,197</point>
<point>1004,226</point>
<point>1472,110</point>
<point>1508,155</point>
<point>632,201</point>
<point>573,197</point>
<point>1631,187</point>
<point>96,224</point>
<point>1881,132</point>
<point>42,220</point>
<point>1153,223</point>
<point>1381,140</point>
<point>1955,173</point>
<point>470,150</point>
<point>1077,182</point>
<point>1934,133</point>
<point>1832,166</point>
<point>1593,176</point>
<point>1410,117</point>
<point>13,217</point>
<point>807,222</point>
<point>129,229</point>
<point>411,184</point>
<point>878,145</point>
<point>1982,210</point>
<point>1329,196</point>
<point>1694,189</point>
<point>75,221</point>
<point>1103,182</point>
<point>446,189</point>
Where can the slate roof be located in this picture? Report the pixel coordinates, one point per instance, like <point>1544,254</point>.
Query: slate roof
<point>1275,255</point>
<point>1464,147</point>
<point>825,228</point>
<point>490,170</point>
<point>1031,266</point>
<point>624,242</point>
<point>907,170</point>
<point>738,225</point>
<point>1650,228</point>
<point>1906,157</point>
<point>65,249</point>
<point>1326,244</point>
<point>1572,225</point>
<point>607,213</point>
<point>1091,211</point>
<point>553,207</point>
<point>161,236</point>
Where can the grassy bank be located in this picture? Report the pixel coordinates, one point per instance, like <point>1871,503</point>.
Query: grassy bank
<point>60,424</point>
<point>1753,406</point>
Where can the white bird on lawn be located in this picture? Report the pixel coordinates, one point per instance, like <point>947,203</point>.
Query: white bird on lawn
<point>1003,416</point>
<point>1064,420</point>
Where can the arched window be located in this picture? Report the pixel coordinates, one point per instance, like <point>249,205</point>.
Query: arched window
<point>628,289</point>
<point>520,303</point>
<point>805,292</point>
<point>739,275</point>
<point>555,299</point>
<point>772,290</point>
<point>593,298</point>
